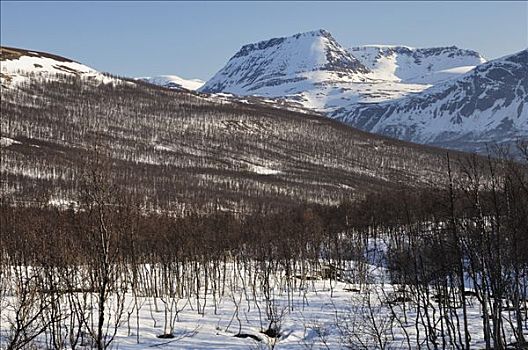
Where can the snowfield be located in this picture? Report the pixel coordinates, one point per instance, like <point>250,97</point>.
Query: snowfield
<point>308,311</point>
<point>174,82</point>
<point>485,105</point>
<point>423,66</point>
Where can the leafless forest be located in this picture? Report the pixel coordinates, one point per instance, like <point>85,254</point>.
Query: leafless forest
<point>175,147</point>
<point>182,199</point>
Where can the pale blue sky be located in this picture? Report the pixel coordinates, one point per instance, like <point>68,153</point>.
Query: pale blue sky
<point>195,39</point>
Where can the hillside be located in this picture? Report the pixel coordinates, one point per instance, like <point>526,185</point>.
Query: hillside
<point>175,147</point>
<point>20,65</point>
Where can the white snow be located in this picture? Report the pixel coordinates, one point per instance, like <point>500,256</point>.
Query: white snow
<point>441,75</point>
<point>314,314</point>
<point>263,170</point>
<point>61,202</point>
<point>424,66</point>
<point>44,64</point>
<point>164,148</point>
<point>173,81</point>
<point>449,110</point>
<point>23,68</point>
<point>295,69</point>
<point>6,141</point>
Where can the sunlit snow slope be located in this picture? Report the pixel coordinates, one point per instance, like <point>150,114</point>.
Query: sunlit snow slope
<point>18,65</point>
<point>174,82</point>
<point>310,68</point>
<point>411,65</point>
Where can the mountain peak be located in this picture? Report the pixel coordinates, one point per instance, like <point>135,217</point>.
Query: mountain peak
<point>286,59</point>
<point>318,32</point>
<point>274,42</point>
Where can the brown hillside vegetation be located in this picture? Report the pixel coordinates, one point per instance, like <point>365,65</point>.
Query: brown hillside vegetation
<point>172,147</point>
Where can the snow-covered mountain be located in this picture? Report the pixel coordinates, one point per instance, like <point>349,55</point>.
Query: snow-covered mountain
<point>487,104</point>
<point>423,66</point>
<point>18,65</point>
<point>267,64</point>
<point>174,82</point>
<point>315,71</point>
<point>444,96</point>
<point>311,68</point>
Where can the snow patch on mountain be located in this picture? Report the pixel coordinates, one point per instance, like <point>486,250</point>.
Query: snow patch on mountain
<point>6,141</point>
<point>20,65</point>
<point>174,82</point>
<point>424,65</point>
<point>263,170</point>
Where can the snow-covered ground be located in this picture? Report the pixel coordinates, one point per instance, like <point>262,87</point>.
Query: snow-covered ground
<point>263,170</point>
<point>6,141</point>
<point>312,312</point>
